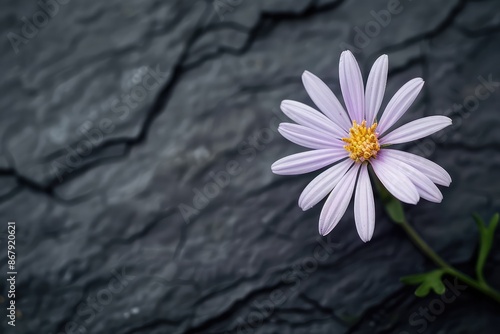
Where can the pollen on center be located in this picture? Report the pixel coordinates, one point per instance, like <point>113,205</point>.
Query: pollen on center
<point>362,143</point>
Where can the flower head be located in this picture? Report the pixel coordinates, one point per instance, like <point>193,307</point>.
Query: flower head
<point>362,142</point>
<point>353,140</point>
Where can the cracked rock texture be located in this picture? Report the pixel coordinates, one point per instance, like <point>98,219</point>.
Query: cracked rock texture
<point>117,117</point>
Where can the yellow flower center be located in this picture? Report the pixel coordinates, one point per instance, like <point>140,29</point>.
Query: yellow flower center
<point>362,143</point>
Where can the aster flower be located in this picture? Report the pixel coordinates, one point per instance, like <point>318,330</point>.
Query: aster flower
<point>353,140</point>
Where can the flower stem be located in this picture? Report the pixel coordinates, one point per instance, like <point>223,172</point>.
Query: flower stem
<point>396,214</point>
<point>479,285</point>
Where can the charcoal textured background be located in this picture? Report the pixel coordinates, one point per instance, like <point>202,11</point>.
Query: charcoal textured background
<point>95,180</point>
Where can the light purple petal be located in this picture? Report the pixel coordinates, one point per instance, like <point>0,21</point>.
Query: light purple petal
<point>397,183</point>
<point>351,83</point>
<point>399,104</point>
<point>364,206</point>
<point>308,161</point>
<point>425,187</point>
<point>337,202</point>
<point>325,100</point>
<point>375,88</point>
<point>308,137</point>
<point>433,171</point>
<point>415,130</point>
<point>307,116</point>
<point>322,184</point>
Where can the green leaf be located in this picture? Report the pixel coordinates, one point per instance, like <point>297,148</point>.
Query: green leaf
<point>426,282</point>
<point>486,235</point>
<point>395,210</point>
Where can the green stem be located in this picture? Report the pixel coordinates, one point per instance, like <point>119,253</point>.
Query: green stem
<point>422,245</point>
<point>479,285</point>
<point>397,215</point>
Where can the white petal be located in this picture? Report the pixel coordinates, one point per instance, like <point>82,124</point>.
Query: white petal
<point>364,206</point>
<point>307,116</point>
<point>415,130</point>
<point>322,184</point>
<point>399,104</point>
<point>325,100</point>
<point>433,171</point>
<point>425,187</point>
<point>308,161</point>
<point>351,83</point>
<point>338,201</point>
<point>375,88</point>
<point>308,137</point>
<point>397,183</point>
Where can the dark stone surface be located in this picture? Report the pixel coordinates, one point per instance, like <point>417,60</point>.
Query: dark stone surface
<point>224,67</point>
